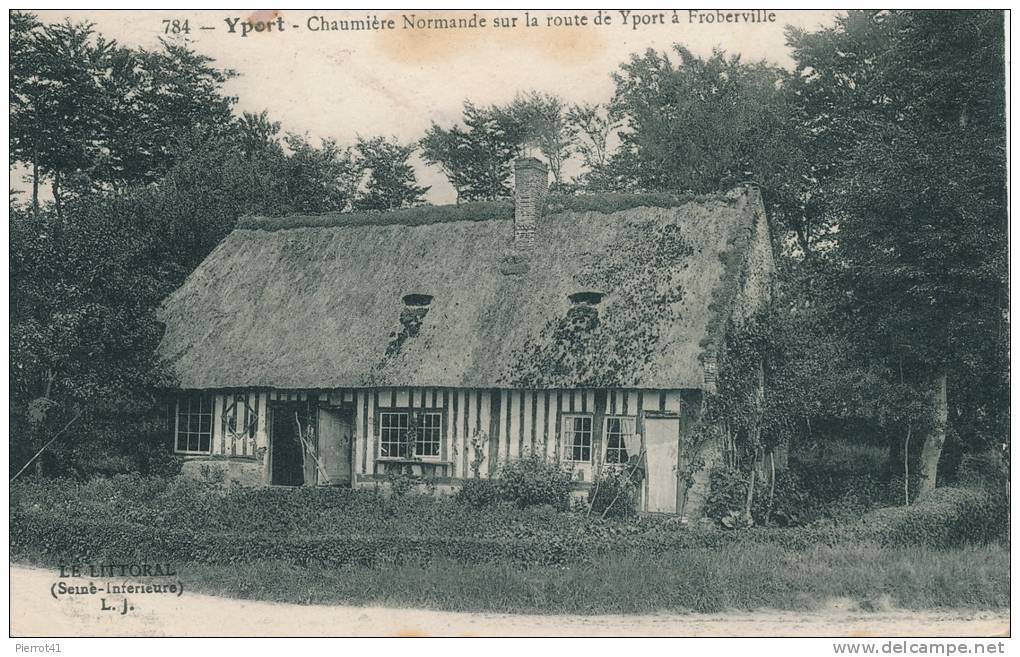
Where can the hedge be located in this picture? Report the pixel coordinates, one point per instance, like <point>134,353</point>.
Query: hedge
<point>51,538</point>
<point>56,539</point>
<point>133,518</point>
<point>186,505</point>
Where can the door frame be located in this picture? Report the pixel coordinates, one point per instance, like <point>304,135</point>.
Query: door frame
<point>348,413</point>
<point>272,406</point>
<point>661,415</point>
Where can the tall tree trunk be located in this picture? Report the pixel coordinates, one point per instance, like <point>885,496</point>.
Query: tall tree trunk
<point>56,194</point>
<point>759,408</point>
<point>906,465</point>
<point>35,185</point>
<point>931,451</point>
<point>749,502</point>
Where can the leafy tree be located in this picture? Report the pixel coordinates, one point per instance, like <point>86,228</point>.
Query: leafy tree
<point>154,102</point>
<point>322,179</point>
<point>591,126</point>
<point>909,109</point>
<point>702,124</point>
<point>257,133</point>
<point>84,289</point>
<point>390,180</point>
<point>56,100</point>
<point>88,114</point>
<point>478,158</point>
<point>546,128</point>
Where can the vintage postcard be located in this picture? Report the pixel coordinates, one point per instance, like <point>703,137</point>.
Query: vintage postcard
<point>585,322</point>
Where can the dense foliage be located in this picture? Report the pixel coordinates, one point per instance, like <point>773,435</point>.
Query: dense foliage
<point>903,112</point>
<point>614,492</point>
<point>533,480</point>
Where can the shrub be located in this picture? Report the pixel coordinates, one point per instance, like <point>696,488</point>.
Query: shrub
<point>157,460</point>
<point>613,494</point>
<point>946,517</point>
<point>845,488</point>
<point>533,479</point>
<point>727,493</point>
<point>791,505</point>
<point>984,469</point>
<point>478,493</point>
<point>401,483</point>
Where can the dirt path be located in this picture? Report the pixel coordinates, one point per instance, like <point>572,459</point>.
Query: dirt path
<point>35,612</point>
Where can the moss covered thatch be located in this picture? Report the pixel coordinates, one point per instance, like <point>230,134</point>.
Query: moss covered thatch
<point>424,215</point>
<point>319,305</point>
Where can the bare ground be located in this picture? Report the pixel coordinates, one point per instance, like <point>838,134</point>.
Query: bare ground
<point>35,612</point>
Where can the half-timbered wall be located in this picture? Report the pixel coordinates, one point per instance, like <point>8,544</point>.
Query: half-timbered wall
<point>505,424</point>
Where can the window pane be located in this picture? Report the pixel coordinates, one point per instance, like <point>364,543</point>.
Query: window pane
<point>194,423</point>
<point>618,431</point>
<point>427,442</point>
<point>392,430</point>
<point>578,430</point>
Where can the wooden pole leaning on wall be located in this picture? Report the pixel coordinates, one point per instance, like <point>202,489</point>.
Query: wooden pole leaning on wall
<point>306,449</point>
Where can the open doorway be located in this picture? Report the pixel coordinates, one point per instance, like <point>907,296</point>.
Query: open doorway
<point>288,462</point>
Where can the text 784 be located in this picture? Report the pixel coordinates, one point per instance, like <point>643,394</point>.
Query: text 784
<point>176,26</point>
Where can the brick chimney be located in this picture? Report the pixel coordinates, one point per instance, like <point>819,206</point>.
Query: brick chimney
<point>531,182</point>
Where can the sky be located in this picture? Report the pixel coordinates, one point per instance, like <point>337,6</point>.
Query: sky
<point>396,82</point>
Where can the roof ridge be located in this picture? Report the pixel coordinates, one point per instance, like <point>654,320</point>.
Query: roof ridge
<point>499,209</point>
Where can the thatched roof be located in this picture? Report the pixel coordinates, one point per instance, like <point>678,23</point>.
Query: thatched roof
<point>316,302</point>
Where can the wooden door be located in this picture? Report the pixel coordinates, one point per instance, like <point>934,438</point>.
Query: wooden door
<point>336,440</point>
<point>662,435</point>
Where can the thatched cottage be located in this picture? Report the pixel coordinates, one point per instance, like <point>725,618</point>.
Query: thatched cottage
<point>338,349</point>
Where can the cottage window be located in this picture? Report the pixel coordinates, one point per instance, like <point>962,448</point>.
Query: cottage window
<point>426,441</point>
<point>193,429</point>
<point>393,434</point>
<point>392,430</point>
<point>619,432</point>
<point>577,430</point>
